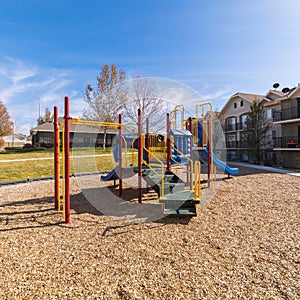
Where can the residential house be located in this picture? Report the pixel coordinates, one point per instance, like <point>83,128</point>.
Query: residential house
<point>14,140</point>
<point>80,135</point>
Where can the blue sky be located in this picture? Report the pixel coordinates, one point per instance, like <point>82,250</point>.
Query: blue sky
<point>50,49</point>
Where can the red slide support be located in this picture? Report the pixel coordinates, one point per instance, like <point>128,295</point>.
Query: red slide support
<point>140,155</point>
<point>120,157</point>
<point>67,160</point>
<point>56,158</point>
<point>168,144</point>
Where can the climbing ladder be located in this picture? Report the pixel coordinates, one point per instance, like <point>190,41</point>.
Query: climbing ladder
<point>175,198</point>
<point>171,189</point>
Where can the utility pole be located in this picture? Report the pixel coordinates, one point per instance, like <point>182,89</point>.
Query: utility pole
<point>39,108</point>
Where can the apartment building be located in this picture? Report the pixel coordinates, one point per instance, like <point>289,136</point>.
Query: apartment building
<point>287,117</point>
<point>282,111</point>
<point>233,117</point>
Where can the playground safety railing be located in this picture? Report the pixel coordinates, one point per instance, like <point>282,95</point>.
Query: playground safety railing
<point>162,175</point>
<point>202,106</point>
<point>173,116</point>
<point>197,174</point>
<point>159,151</point>
<point>126,150</point>
<point>95,123</point>
<point>133,155</point>
<point>181,165</point>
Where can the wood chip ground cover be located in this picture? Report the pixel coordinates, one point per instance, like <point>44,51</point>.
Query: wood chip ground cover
<point>244,245</point>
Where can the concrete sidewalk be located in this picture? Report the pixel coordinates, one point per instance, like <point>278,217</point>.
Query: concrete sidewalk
<point>48,158</point>
<point>270,169</point>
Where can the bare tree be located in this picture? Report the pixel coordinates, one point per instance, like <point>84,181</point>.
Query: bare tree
<point>105,102</point>
<point>144,94</point>
<point>48,118</point>
<point>6,125</point>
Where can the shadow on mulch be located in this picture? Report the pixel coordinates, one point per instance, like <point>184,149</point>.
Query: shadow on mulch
<point>18,215</point>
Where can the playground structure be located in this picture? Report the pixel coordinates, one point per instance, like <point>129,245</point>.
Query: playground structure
<point>161,160</point>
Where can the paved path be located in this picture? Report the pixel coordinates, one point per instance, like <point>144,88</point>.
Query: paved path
<point>48,158</point>
<point>270,169</point>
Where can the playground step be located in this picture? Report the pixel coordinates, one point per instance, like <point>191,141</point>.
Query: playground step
<point>177,207</point>
<point>180,196</point>
<point>172,178</point>
<point>169,187</point>
<point>173,187</point>
<point>177,202</point>
<point>180,212</point>
<point>174,205</point>
<point>180,201</point>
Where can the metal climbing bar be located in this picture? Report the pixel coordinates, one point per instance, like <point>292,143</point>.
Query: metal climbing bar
<point>95,123</point>
<point>173,117</point>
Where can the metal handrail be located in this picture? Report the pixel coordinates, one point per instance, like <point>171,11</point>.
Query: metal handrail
<point>189,159</point>
<point>132,155</point>
<point>126,150</point>
<point>155,172</point>
<point>197,173</point>
<point>178,108</point>
<point>96,123</point>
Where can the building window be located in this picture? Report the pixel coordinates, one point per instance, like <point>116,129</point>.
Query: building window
<point>231,124</point>
<point>234,105</point>
<point>242,103</point>
<point>269,113</point>
<point>231,141</point>
<point>243,120</point>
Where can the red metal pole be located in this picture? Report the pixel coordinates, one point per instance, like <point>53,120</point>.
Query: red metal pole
<point>67,160</point>
<point>120,156</point>
<point>208,154</point>
<point>190,126</point>
<point>147,140</point>
<point>168,144</point>
<point>56,157</point>
<point>140,155</point>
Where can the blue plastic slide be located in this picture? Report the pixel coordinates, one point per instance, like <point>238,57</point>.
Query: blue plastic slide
<point>113,174</point>
<point>223,165</point>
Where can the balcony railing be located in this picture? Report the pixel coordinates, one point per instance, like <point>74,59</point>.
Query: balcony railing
<point>235,145</point>
<point>286,114</point>
<point>287,142</point>
<point>234,127</point>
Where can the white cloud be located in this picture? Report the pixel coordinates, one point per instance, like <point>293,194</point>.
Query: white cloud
<point>23,86</point>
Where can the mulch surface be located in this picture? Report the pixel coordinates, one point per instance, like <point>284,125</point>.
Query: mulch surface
<point>244,244</point>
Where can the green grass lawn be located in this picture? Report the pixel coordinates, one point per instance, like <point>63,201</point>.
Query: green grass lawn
<point>18,170</point>
<point>24,155</point>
